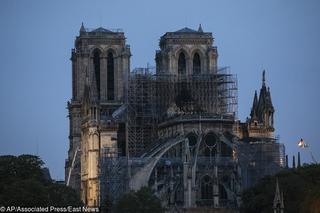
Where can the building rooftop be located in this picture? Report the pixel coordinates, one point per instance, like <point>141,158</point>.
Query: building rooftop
<point>101,30</point>
<point>186,30</point>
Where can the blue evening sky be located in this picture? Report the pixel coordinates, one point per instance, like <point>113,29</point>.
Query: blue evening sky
<point>36,38</point>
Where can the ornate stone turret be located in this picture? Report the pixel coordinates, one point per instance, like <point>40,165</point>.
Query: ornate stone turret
<point>265,108</point>
<point>262,111</point>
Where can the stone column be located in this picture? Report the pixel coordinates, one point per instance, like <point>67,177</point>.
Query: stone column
<point>187,181</point>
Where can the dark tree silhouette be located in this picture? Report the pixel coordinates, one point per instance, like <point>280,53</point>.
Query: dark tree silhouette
<point>23,183</point>
<point>300,187</point>
<point>142,201</point>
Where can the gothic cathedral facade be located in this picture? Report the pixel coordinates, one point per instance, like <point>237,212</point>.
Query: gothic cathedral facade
<point>174,129</point>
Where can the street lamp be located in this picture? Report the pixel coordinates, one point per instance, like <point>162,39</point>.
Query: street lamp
<point>302,144</point>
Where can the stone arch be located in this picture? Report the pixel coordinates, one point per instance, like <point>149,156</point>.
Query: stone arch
<point>142,176</point>
<point>110,50</point>
<point>95,49</point>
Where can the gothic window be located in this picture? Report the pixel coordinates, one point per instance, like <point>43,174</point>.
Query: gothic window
<point>182,64</point>
<point>192,138</point>
<point>196,64</point>
<point>206,188</point>
<point>226,151</point>
<point>96,64</point>
<point>210,145</point>
<point>110,77</point>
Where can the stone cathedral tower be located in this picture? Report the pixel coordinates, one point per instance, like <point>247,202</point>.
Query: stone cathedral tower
<point>100,66</point>
<point>186,52</point>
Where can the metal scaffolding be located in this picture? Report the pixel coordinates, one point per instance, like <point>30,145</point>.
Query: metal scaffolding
<point>141,114</point>
<point>113,177</point>
<point>155,98</point>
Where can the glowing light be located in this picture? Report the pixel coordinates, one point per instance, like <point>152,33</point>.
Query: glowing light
<point>302,144</point>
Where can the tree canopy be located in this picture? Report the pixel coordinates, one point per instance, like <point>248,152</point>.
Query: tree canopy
<point>142,201</point>
<point>300,187</point>
<point>23,182</point>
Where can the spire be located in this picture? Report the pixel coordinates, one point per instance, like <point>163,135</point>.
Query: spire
<point>278,204</point>
<point>82,29</point>
<point>200,29</point>
<point>299,162</point>
<point>277,194</point>
<point>293,162</point>
<point>265,107</point>
<point>254,105</point>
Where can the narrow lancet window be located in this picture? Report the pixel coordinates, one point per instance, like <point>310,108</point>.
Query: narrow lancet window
<point>182,64</point>
<point>196,64</point>
<point>110,77</point>
<point>96,64</point>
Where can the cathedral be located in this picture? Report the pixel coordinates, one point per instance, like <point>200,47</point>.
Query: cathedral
<point>172,127</point>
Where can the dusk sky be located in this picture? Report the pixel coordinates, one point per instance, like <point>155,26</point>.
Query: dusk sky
<point>36,37</point>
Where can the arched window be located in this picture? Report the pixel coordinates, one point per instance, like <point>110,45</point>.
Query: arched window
<point>196,64</point>
<point>96,64</point>
<point>110,77</point>
<point>210,146</point>
<point>206,188</point>
<point>192,138</point>
<point>182,64</point>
